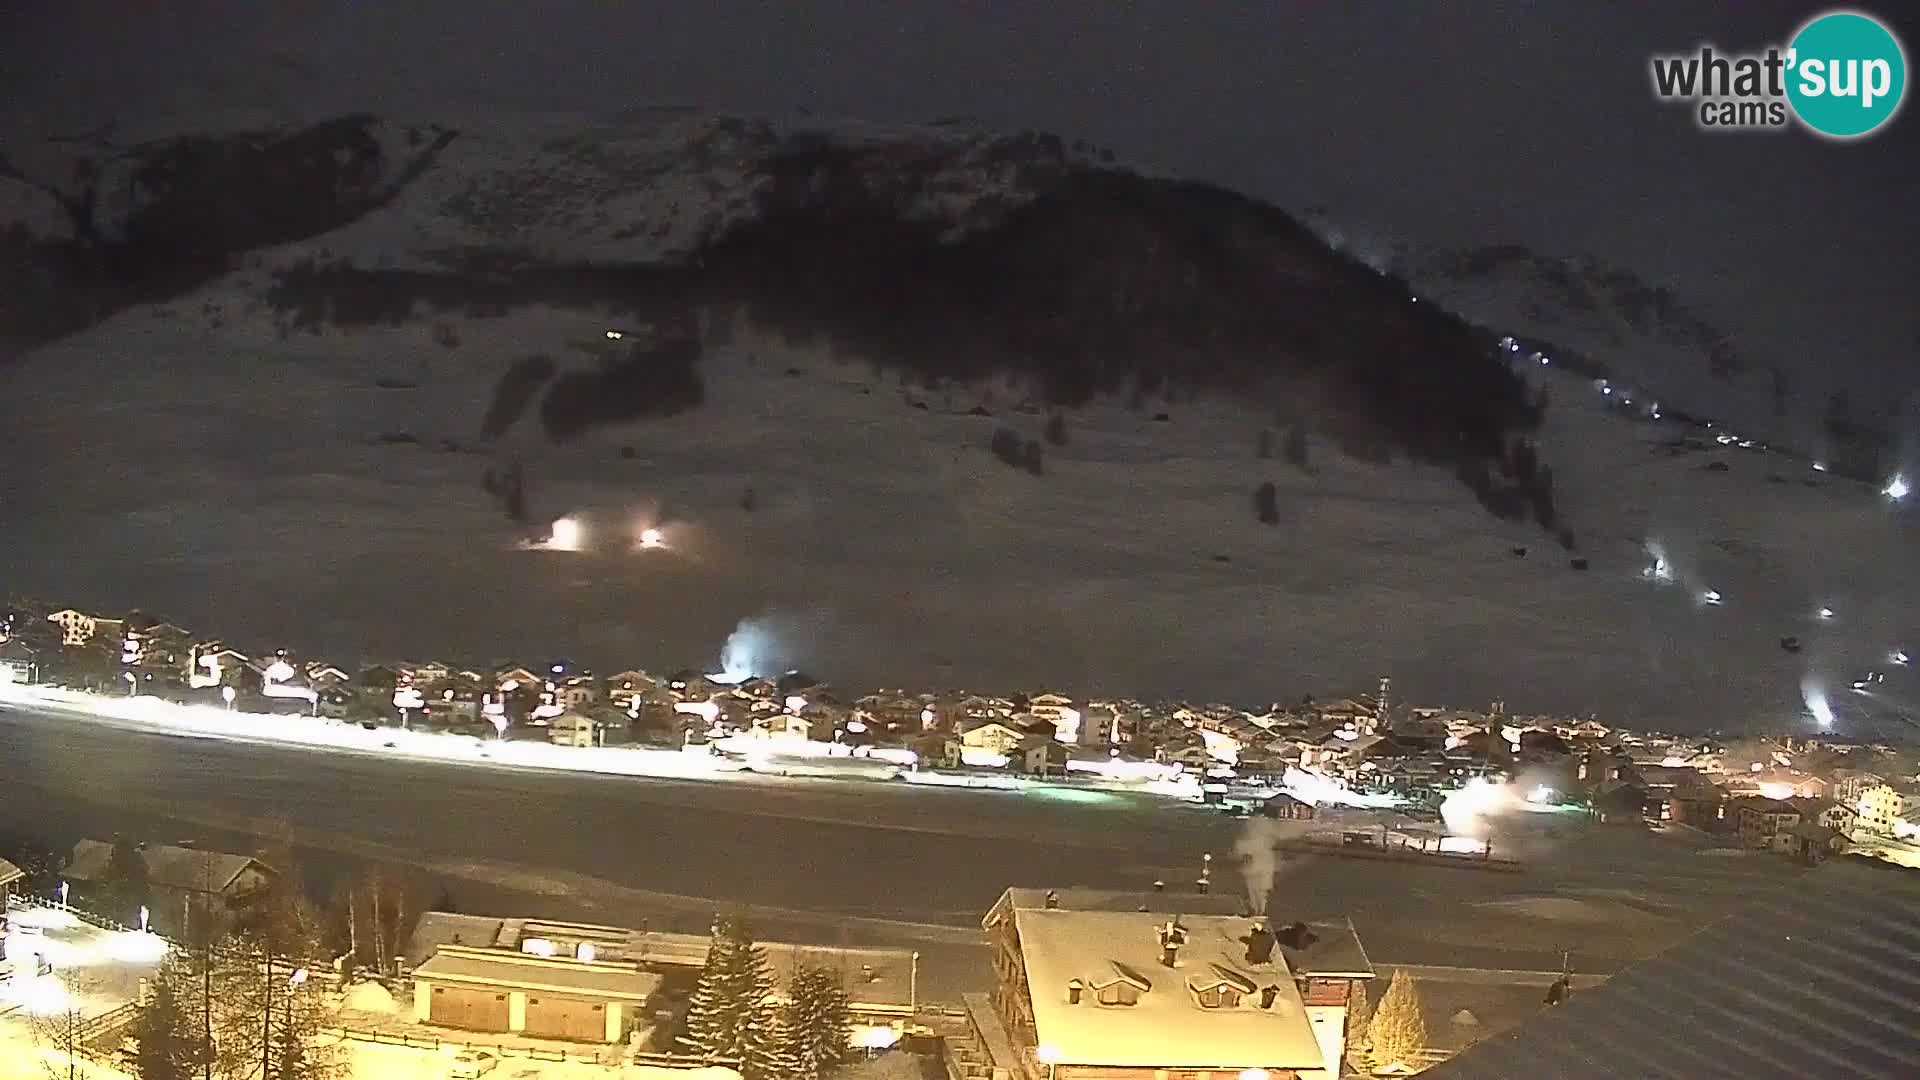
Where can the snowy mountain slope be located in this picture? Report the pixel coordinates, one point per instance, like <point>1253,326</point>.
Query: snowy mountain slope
<point>1606,321</point>
<point>287,447</point>
<point>886,545</point>
<point>946,254</point>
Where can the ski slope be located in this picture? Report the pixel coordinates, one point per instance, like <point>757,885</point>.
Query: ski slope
<point>235,482</point>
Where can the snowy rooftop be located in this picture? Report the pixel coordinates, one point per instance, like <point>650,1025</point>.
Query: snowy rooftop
<point>495,967</point>
<point>875,979</point>
<point>1821,977</point>
<point>1018,898</point>
<point>1167,1027</point>
<point>186,869</point>
<point>1332,948</point>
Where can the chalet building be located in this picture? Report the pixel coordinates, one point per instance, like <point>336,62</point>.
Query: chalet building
<point>994,737</point>
<point>183,883</point>
<point>1058,711</point>
<point>627,690</point>
<point>535,994</point>
<point>590,983</point>
<point>1766,824</point>
<point>19,663</point>
<point>1286,807</point>
<point>1850,784</point>
<point>1882,806</point>
<point>1143,994</point>
<point>1042,756</point>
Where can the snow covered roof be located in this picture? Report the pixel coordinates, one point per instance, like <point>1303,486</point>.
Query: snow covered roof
<point>10,873</point>
<point>185,869</point>
<point>876,979</point>
<point>1018,898</point>
<point>1819,977</point>
<point>1167,1027</point>
<point>495,967</point>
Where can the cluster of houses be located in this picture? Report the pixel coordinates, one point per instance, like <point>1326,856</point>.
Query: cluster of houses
<point>1798,797</point>
<point>1085,982</point>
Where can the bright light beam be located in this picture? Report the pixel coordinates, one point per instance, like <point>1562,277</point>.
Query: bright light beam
<point>1897,488</point>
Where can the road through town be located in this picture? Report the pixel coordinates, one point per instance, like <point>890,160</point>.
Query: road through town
<point>818,860</point>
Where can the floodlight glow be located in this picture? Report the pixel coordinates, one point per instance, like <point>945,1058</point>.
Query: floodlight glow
<point>1826,613</point>
<point>651,538</point>
<point>1819,466</point>
<point>1711,596</point>
<point>565,535</point>
<point>1897,488</point>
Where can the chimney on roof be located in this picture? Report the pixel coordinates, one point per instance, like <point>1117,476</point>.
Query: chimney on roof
<point>1074,989</point>
<point>1173,937</point>
<point>1052,900</point>
<point>1267,996</point>
<point>866,973</point>
<point>1159,886</point>
<point>1260,942</point>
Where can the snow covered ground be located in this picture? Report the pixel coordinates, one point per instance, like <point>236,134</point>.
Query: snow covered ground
<point>235,482</point>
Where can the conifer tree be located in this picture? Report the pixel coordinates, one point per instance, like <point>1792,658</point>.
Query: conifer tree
<point>730,993</point>
<point>772,1051</point>
<point>167,1029</point>
<point>1359,1016</point>
<point>1398,1030</point>
<point>125,890</point>
<point>822,1029</point>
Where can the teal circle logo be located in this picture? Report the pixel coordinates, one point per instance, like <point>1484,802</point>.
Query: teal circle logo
<point>1846,74</point>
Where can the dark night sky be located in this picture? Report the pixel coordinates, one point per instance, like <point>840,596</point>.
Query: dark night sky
<point>1481,122</point>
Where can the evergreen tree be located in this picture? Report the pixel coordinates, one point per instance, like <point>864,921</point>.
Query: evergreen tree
<point>167,1029</point>
<point>124,890</point>
<point>772,1051</point>
<point>1398,1030</point>
<point>1359,1016</point>
<point>729,995</point>
<point>822,1029</point>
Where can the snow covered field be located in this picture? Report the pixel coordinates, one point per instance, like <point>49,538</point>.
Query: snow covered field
<point>190,459</point>
<point>235,483</point>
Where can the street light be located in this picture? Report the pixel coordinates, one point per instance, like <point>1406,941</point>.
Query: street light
<point>1049,1056</point>
<point>227,694</point>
